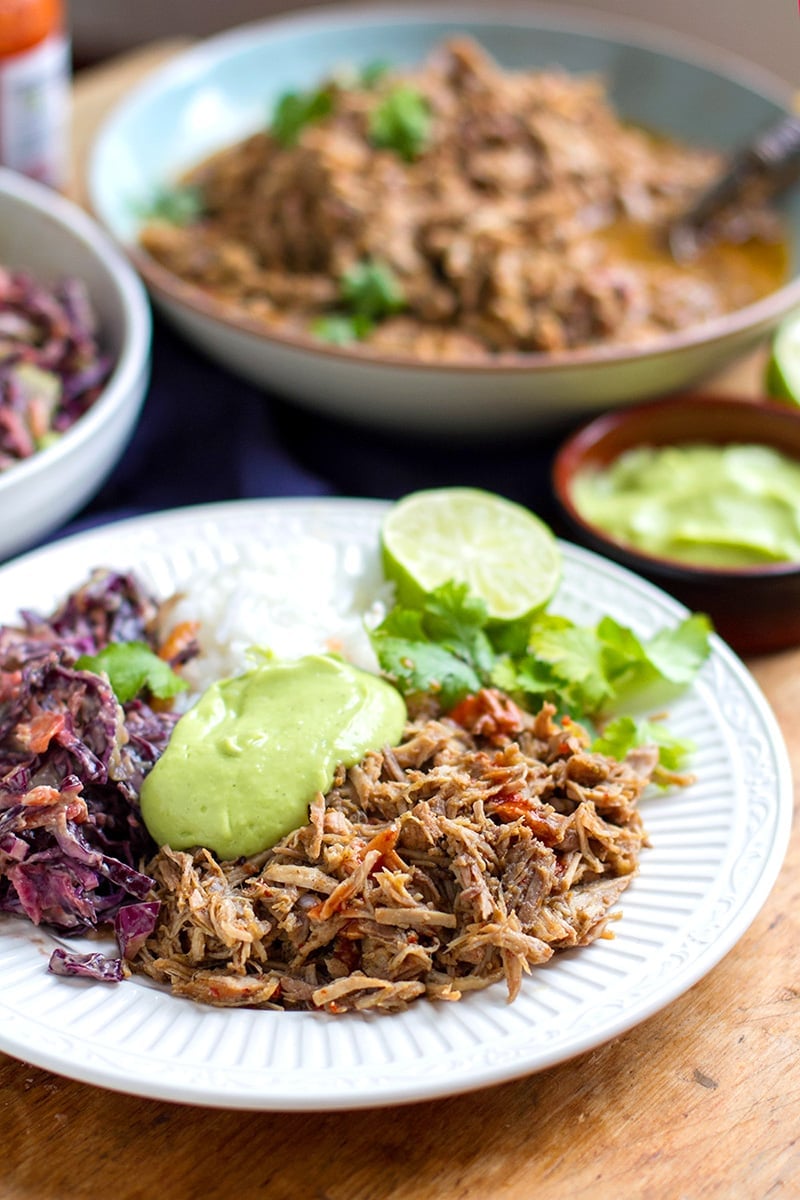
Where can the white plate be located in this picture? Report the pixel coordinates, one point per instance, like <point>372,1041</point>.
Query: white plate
<point>717,849</point>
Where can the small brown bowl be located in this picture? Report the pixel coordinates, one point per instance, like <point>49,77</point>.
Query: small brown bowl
<point>755,609</point>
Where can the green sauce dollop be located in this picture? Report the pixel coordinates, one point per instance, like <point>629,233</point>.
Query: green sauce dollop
<point>716,506</point>
<point>243,764</point>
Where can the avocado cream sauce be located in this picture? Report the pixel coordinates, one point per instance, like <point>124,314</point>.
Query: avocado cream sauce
<point>243,764</point>
<point>716,506</point>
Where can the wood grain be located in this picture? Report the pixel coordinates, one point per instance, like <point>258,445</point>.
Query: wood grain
<point>701,1101</point>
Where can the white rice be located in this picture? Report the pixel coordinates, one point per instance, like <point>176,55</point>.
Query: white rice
<point>310,597</point>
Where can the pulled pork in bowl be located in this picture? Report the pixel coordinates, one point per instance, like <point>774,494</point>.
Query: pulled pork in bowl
<point>474,232</point>
<point>458,210</point>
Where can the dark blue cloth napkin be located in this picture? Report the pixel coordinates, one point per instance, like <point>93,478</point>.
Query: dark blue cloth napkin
<point>205,435</point>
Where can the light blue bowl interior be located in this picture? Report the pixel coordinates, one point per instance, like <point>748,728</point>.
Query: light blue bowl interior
<point>226,88</point>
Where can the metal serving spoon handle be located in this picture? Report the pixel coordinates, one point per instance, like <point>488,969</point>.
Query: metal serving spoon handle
<point>771,161</point>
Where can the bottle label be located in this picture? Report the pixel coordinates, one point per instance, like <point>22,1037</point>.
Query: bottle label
<point>34,110</point>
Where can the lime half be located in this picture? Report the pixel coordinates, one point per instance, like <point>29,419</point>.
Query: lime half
<point>506,555</point>
<point>783,370</point>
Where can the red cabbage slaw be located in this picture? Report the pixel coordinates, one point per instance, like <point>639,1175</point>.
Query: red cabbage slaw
<point>51,366</point>
<point>72,762</point>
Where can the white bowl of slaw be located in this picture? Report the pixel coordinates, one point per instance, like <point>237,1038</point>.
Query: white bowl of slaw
<point>52,238</point>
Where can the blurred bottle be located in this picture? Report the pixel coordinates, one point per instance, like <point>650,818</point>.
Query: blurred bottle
<point>34,89</point>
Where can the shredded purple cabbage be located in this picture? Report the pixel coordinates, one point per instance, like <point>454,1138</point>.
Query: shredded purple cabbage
<point>72,763</point>
<point>51,367</point>
<point>87,966</point>
<point>133,925</point>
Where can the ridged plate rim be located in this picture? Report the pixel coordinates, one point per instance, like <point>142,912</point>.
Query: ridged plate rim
<point>717,850</point>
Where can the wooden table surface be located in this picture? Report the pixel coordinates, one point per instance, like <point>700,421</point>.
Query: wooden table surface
<point>701,1100</point>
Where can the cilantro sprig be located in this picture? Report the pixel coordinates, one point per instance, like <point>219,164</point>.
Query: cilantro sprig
<point>295,110</point>
<point>369,291</point>
<point>340,329</point>
<point>133,669</point>
<point>180,205</point>
<point>372,73</point>
<point>401,122</point>
<point>625,733</point>
<point>449,647</point>
<point>442,647</point>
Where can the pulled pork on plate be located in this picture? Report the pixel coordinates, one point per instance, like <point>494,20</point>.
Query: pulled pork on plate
<point>457,211</point>
<point>484,843</point>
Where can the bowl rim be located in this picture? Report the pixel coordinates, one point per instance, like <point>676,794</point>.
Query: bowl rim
<point>189,65</point>
<point>569,457</point>
<point>134,354</point>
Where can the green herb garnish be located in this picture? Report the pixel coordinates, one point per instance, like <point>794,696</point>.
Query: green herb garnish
<point>401,122</point>
<point>371,289</point>
<point>295,110</point>
<point>339,329</point>
<point>178,205</point>
<point>448,647</point>
<point>625,733</point>
<point>133,668</point>
<point>442,647</point>
<point>372,73</point>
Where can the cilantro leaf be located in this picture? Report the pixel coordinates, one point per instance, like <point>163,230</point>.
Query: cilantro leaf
<point>422,666</point>
<point>401,122</point>
<point>371,290</point>
<point>373,72</point>
<point>655,668</point>
<point>624,657</point>
<point>618,737</point>
<point>574,656</point>
<point>447,645</point>
<point>625,733</point>
<point>295,110</point>
<point>178,205</point>
<point>679,653</point>
<point>341,330</point>
<point>457,619</point>
<point>132,667</point>
<point>593,670</point>
<point>441,647</point>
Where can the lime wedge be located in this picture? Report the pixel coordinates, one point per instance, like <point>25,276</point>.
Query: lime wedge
<point>506,555</point>
<point>783,369</point>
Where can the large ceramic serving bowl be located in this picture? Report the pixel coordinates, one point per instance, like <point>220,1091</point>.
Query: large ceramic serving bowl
<point>52,238</point>
<point>223,89</point>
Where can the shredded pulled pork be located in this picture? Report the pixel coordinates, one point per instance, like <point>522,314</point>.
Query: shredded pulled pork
<point>531,219</point>
<point>465,856</point>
